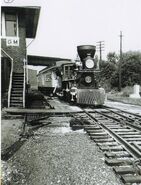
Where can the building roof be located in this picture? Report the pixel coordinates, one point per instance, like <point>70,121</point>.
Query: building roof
<point>31,14</point>
<point>44,61</point>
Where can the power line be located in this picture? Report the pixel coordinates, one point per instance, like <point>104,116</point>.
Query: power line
<point>100,48</point>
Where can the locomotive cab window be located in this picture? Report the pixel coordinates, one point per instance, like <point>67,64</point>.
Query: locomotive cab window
<point>68,71</point>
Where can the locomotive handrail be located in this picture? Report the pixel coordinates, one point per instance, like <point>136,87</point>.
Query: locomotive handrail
<point>11,75</point>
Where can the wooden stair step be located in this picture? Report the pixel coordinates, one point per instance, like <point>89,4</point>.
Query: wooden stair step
<point>17,98</point>
<point>16,105</point>
<point>17,90</point>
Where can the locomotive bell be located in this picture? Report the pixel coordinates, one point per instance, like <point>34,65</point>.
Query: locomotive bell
<point>85,50</point>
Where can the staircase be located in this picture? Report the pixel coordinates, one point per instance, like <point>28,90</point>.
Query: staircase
<point>16,98</point>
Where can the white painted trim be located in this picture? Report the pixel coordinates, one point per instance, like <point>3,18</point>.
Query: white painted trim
<point>11,75</point>
<point>17,24</point>
<point>8,37</point>
<point>3,25</point>
<point>24,83</point>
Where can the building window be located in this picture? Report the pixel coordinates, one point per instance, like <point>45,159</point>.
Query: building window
<point>11,27</point>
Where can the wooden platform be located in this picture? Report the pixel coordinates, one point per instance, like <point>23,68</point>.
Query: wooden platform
<point>59,108</point>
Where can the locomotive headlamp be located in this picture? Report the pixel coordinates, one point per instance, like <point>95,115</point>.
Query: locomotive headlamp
<point>89,63</point>
<point>88,79</point>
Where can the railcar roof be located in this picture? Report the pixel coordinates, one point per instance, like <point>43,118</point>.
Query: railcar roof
<point>58,65</point>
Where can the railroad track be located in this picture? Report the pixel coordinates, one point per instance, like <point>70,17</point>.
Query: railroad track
<point>118,135</point>
<point>127,115</point>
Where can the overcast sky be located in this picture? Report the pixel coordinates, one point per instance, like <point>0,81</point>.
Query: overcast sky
<point>64,24</point>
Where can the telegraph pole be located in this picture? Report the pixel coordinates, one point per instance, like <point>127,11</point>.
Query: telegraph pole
<point>120,61</point>
<point>100,49</point>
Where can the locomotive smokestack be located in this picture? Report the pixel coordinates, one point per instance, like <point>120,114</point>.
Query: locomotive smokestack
<point>86,50</point>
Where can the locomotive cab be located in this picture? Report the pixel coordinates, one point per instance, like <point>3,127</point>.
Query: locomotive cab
<point>68,78</point>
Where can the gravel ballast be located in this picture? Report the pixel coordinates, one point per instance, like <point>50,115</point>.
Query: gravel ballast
<point>58,155</point>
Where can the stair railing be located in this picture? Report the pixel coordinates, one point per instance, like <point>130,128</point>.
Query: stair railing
<point>24,82</point>
<point>11,75</point>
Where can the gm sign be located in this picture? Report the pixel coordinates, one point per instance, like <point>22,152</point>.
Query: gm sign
<point>12,41</point>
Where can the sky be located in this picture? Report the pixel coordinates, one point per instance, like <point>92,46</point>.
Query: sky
<point>64,24</point>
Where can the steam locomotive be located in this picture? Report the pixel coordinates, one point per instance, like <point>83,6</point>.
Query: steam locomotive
<point>79,82</point>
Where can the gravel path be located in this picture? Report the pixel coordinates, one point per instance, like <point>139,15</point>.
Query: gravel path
<point>57,155</point>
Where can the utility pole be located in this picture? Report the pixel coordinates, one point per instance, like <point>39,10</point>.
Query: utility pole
<point>120,61</point>
<point>100,48</point>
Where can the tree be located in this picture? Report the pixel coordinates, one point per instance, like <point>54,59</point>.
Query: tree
<point>130,69</point>
<point>112,57</point>
<point>108,68</point>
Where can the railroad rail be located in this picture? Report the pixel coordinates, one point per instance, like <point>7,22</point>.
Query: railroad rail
<point>119,137</point>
